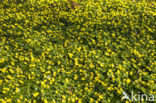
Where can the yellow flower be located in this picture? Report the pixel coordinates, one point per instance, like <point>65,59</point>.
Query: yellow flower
<point>119,91</point>
<point>73,100</point>
<point>1,82</point>
<point>128,81</point>
<point>100,96</point>
<point>70,55</point>
<point>2,101</point>
<point>82,78</point>
<point>91,99</point>
<point>113,35</point>
<point>101,64</point>
<point>17,90</point>
<point>107,54</point>
<point>76,61</point>
<point>4,91</point>
<point>79,49</point>
<point>34,101</point>
<point>18,101</point>
<point>59,62</point>
<point>36,94</point>
<point>54,74</point>
<point>91,65</point>
<point>67,80</point>
<point>79,100</point>
<point>127,102</point>
<point>56,92</point>
<point>109,88</point>
<point>2,60</point>
<point>45,101</point>
<point>8,100</point>
<point>75,77</point>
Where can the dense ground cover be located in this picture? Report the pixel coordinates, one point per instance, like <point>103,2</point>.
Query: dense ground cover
<point>90,52</point>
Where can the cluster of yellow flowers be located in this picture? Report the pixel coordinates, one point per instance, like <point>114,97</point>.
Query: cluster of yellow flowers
<point>57,52</point>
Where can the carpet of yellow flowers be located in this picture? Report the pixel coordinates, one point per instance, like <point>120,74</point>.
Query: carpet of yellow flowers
<point>57,52</point>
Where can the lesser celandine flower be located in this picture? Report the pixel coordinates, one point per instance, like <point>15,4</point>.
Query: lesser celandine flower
<point>76,51</point>
<point>36,94</point>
